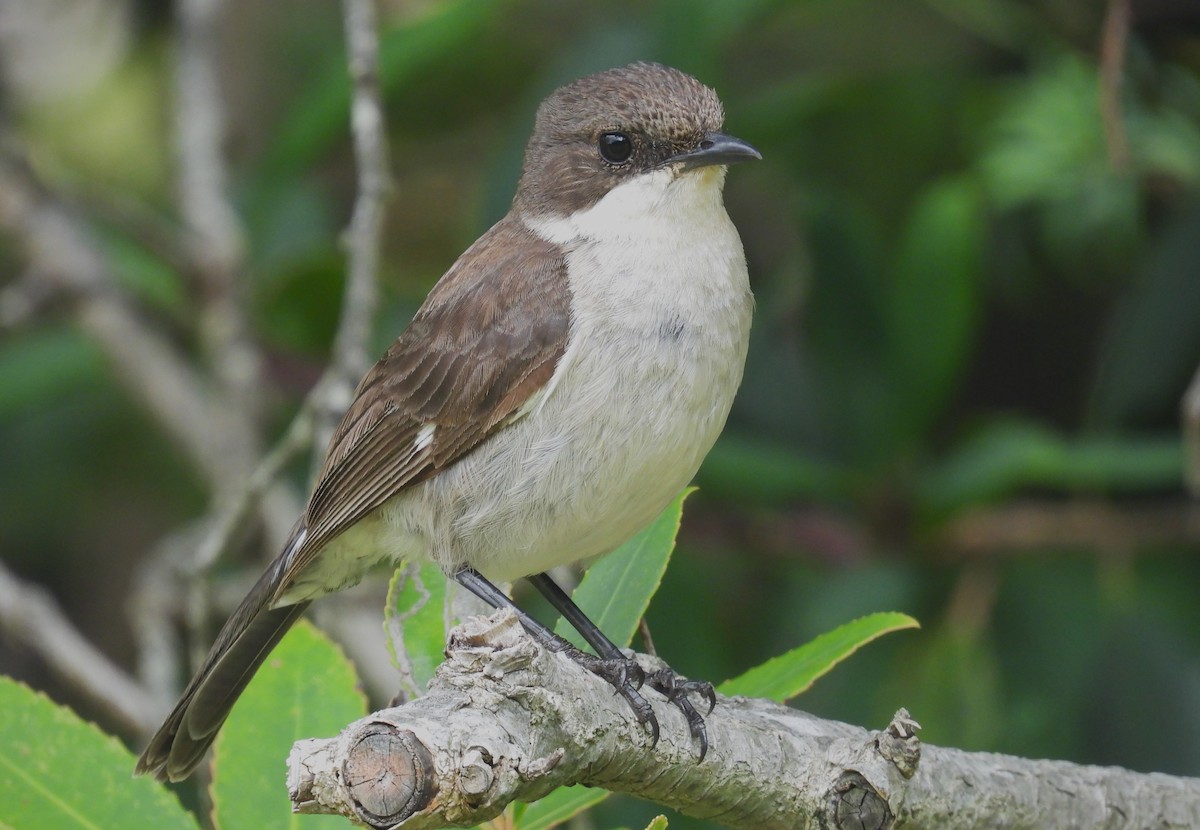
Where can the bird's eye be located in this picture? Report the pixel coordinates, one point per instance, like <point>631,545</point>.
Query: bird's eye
<point>615,147</point>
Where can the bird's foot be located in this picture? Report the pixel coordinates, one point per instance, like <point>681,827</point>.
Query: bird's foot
<point>676,689</point>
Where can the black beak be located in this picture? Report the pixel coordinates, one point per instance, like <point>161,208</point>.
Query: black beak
<point>716,148</point>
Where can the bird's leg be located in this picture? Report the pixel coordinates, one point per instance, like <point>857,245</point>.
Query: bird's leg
<point>675,688</point>
<point>623,674</point>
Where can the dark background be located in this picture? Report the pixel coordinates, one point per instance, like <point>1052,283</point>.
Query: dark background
<point>978,277</point>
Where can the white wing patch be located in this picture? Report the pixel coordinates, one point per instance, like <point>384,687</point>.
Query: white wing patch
<point>424,437</point>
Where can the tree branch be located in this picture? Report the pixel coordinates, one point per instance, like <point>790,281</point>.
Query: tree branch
<point>506,720</point>
<point>1077,524</point>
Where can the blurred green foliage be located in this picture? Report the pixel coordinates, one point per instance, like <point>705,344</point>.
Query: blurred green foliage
<point>965,305</point>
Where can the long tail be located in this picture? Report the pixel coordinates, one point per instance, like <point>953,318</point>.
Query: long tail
<point>244,642</point>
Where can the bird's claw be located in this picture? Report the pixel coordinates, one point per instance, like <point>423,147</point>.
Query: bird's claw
<point>676,689</point>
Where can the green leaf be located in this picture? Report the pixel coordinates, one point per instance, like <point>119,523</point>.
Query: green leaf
<point>415,623</point>
<point>561,806</point>
<point>616,590</point>
<point>145,275</point>
<point>782,678</point>
<point>1046,150</point>
<point>1048,140</point>
<point>306,688</point>
<point>659,823</point>
<point>58,771</point>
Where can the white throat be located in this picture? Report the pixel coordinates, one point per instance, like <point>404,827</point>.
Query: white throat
<point>663,202</point>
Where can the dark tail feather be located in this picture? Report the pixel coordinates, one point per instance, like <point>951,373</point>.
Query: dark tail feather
<point>245,641</point>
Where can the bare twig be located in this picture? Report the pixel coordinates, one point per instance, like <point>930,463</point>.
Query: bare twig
<point>236,508</point>
<point>331,394</point>
<point>31,617</point>
<point>213,225</point>
<point>363,236</point>
<point>217,439</point>
<point>506,719</point>
<point>23,301</point>
<point>1112,68</point>
<point>211,418</point>
<point>154,609</point>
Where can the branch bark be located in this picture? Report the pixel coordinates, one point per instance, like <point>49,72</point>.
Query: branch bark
<point>506,720</point>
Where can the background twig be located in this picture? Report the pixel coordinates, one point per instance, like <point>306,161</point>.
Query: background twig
<point>29,616</point>
<point>362,239</point>
<point>215,439</point>
<point>1112,68</point>
<point>213,226</point>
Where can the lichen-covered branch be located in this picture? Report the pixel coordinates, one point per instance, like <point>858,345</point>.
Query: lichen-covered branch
<point>505,720</point>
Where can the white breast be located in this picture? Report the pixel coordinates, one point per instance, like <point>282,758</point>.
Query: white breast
<point>660,319</point>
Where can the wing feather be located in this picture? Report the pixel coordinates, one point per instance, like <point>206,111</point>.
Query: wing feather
<point>488,337</point>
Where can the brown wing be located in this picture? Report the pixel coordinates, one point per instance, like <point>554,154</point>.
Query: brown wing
<point>489,336</point>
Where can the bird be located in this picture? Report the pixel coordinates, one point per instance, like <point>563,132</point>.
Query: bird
<point>558,387</point>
